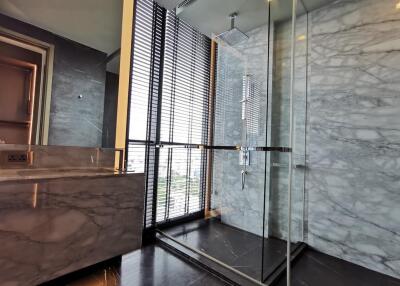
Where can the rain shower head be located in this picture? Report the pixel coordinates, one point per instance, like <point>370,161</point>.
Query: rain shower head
<point>234,35</point>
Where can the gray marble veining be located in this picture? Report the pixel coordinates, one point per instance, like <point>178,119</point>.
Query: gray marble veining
<point>52,227</point>
<point>67,210</point>
<point>353,180</point>
<point>346,200</point>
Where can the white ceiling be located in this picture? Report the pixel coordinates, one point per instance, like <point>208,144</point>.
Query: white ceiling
<point>211,16</point>
<point>94,23</point>
<point>97,23</point>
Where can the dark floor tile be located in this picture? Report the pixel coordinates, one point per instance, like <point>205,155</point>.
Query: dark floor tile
<point>314,268</point>
<point>150,266</point>
<point>153,265</point>
<point>237,248</point>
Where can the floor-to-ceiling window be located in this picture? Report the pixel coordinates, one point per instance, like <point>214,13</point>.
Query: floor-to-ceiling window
<point>168,116</point>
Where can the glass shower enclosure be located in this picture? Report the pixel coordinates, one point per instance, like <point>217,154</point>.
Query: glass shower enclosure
<point>300,137</point>
<point>256,179</point>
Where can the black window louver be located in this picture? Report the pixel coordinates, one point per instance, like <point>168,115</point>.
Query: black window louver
<point>168,113</point>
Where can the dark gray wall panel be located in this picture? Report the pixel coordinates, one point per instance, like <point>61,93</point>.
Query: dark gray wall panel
<point>78,70</point>
<point>110,110</point>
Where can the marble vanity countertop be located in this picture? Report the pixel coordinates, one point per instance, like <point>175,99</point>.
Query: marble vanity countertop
<point>9,175</point>
<point>57,221</point>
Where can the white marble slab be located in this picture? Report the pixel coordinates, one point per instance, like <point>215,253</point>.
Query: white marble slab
<point>52,227</point>
<point>353,182</point>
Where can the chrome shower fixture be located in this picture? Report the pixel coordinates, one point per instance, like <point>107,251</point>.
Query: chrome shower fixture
<point>234,35</point>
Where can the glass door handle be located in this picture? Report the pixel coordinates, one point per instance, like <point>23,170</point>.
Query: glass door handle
<point>243,176</point>
<point>296,166</point>
<point>299,166</point>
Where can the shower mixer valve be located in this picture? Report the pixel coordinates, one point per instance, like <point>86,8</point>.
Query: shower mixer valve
<point>244,158</point>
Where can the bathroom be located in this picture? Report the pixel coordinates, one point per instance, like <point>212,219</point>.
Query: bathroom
<point>229,142</point>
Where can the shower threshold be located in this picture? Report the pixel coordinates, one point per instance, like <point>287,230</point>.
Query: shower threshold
<point>228,252</point>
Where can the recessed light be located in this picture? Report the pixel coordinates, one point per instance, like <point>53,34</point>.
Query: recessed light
<point>301,37</point>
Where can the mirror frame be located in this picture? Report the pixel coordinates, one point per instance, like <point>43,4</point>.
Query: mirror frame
<point>46,50</point>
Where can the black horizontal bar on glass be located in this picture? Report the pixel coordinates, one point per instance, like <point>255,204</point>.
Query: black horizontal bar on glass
<point>212,147</point>
<point>247,148</point>
<point>142,142</point>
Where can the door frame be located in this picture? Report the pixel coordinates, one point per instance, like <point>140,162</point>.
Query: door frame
<point>46,50</point>
<point>32,88</point>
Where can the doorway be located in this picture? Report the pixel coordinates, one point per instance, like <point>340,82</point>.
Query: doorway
<point>17,100</point>
<point>25,88</point>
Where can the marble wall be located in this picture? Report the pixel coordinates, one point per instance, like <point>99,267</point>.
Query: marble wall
<point>78,70</point>
<point>346,197</point>
<point>353,133</point>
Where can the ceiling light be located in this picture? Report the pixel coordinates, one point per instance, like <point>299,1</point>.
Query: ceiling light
<point>301,37</point>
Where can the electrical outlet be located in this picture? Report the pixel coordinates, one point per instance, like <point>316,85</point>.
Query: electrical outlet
<point>17,158</point>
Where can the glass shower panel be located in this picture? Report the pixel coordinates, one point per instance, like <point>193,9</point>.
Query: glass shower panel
<point>300,90</point>
<point>244,228</point>
<point>231,68</point>
<point>280,126</point>
<point>232,231</point>
<point>241,90</point>
<point>237,206</point>
<point>238,179</point>
<point>264,110</point>
<point>279,121</point>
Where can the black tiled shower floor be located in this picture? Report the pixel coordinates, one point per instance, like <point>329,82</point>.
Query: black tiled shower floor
<point>242,250</point>
<point>314,268</point>
<point>236,248</point>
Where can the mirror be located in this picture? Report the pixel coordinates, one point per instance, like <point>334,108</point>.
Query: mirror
<point>59,65</point>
